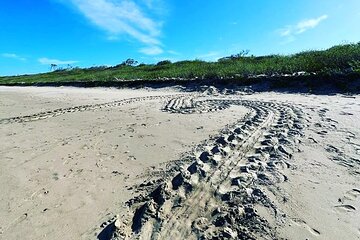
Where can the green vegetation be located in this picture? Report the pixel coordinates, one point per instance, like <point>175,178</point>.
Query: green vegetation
<point>338,59</point>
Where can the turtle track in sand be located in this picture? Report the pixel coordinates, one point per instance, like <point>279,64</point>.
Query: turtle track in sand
<point>215,196</point>
<point>190,104</point>
<point>81,108</point>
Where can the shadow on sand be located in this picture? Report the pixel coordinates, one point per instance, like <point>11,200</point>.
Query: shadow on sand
<point>107,232</point>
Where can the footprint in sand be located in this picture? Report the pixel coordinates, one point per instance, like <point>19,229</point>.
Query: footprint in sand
<point>331,148</point>
<point>346,113</point>
<point>353,194</point>
<point>302,223</point>
<point>350,195</point>
<point>346,207</point>
<point>15,222</point>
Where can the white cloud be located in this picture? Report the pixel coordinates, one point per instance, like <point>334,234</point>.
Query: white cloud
<point>156,6</point>
<point>13,56</point>
<point>301,27</point>
<point>285,32</point>
<point>173,52</point>
<point>47,61</point>
<point>152,50</point>
<point>122,17</point>
<point>305,25</point>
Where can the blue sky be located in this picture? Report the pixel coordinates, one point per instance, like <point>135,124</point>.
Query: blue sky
<point>37,33</point>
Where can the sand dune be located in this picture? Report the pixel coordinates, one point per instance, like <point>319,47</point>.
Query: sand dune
<point>161,164</point>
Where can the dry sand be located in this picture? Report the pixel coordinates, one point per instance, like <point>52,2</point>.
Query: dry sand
<point>158,164</point>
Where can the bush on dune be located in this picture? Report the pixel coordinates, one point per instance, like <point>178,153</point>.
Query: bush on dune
<point>338,59</point>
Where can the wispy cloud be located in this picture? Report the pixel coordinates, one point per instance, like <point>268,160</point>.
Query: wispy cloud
<point>291,31</point>
<point>124,17</point>
<point>47,61</point>
<point>152,50</point>
<point>309,24</point>
<point>13,56</point>
<point>173,52</point>
<point>155,5</point>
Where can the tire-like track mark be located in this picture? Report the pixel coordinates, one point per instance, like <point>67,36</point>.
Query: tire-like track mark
<point>82,108</point>
<point>188,104</point>
<point>215,196</point>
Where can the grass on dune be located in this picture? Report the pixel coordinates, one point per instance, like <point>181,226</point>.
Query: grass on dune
<point>340,58</point>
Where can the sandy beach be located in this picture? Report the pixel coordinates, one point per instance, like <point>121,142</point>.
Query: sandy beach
<point>106,163</point>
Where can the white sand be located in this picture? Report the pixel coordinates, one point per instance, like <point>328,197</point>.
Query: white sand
<point>72,167</point>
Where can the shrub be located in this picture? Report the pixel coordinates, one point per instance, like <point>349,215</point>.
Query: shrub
<point>165,62</point>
